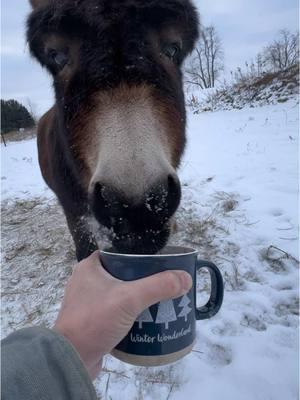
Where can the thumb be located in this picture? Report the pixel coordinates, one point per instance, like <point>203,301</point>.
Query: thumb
<point>163,286</point>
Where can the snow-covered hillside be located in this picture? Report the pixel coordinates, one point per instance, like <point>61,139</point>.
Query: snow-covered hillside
<point>239,208</point>
<point>247,91</point>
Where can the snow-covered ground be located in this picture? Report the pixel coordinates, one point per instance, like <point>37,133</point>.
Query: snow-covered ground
<point>239,208</point>
<point>21,177</point>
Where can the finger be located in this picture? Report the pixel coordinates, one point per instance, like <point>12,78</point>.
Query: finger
<point>93,262</point>
<point>158,287</point>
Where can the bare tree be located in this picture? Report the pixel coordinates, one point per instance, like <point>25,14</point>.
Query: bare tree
<point>259,63</point>
<point>206,63</point>
<point>282,52</point>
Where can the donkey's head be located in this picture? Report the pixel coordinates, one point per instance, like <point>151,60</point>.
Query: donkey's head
<point>119,98</point>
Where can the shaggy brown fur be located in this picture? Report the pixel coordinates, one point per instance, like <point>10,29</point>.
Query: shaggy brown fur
<point>103,52</point>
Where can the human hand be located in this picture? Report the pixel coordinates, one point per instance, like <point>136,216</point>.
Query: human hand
<point>98,310</point>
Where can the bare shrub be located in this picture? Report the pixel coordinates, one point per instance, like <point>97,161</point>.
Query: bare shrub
<point>283,52</point>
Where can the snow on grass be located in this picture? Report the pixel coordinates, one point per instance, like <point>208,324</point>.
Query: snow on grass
<point>239,209</point>
<point>20,173</point>
<point>247,90</point>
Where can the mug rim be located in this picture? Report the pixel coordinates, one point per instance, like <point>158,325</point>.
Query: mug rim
<point>189,251</point>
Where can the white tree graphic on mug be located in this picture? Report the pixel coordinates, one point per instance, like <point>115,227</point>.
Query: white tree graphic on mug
<point>186,309</point>
<point>145,316</point>
<point>165,313</point>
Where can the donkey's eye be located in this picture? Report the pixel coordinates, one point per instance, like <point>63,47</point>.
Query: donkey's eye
<point>58,58</point>
<point>171,50</point>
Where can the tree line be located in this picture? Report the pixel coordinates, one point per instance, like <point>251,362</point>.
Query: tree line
<point>14,116</point>
<point>206,65</point>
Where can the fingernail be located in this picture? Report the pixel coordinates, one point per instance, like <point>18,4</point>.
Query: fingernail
<point>185,280</point>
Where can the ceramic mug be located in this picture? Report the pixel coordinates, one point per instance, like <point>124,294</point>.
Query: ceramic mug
<point>166,331</point>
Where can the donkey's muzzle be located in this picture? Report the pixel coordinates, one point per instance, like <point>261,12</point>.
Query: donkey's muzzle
<point>138,224</point>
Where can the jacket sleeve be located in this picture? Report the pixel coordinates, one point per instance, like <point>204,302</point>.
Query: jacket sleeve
<point>40,364</point>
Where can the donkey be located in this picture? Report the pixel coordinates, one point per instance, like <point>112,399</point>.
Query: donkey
<point>110,146</point>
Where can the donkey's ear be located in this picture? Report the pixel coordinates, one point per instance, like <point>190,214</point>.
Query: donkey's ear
<point>38,3</point>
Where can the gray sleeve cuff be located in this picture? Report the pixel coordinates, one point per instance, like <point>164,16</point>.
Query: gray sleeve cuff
<point>40,364</point>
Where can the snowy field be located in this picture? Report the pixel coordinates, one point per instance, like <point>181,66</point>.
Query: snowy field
<point>239,208</point>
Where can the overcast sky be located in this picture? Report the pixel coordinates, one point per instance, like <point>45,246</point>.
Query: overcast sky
<point>245,26</point>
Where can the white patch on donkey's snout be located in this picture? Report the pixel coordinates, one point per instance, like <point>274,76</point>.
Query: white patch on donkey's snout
<point>133,151</point>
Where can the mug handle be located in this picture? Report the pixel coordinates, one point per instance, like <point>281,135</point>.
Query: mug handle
<point>217,290</point>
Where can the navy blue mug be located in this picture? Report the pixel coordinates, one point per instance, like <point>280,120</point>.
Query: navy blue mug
<point>166,331</point>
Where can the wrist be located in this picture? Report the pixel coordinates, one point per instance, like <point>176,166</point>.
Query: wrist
<point>91,360</point>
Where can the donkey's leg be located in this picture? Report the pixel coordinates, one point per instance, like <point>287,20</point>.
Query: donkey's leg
<point>84,241</point>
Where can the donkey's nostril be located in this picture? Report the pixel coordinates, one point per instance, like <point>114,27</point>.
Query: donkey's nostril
<point>174,193</point>
<point>102,193</point>
<point>97,189</point>
<point>173,184</point>
<point>163,199</point>
<point>105,204</point>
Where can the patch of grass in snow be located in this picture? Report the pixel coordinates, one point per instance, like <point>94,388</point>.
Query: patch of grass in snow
<point>277,259</point>
<point>290,307</point>
<point>229,205</point>
<point>221,355</point>
<point>254,322</point>
<point>234,279</point>
<point>38,255</point>
<point>159,382</point>
<point>283,100</point>
<point>28,205</point>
